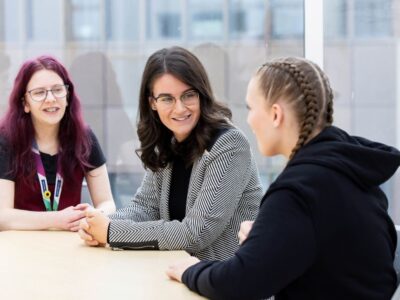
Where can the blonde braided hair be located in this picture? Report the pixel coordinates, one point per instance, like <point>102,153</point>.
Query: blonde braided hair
<point>304,85</point>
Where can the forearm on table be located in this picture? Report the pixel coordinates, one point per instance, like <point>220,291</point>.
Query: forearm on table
<point>16,219</point>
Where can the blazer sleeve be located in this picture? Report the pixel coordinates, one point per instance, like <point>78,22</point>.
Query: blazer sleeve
<point>144,205</point>
<point>280,247</point>
<point>227,173</point>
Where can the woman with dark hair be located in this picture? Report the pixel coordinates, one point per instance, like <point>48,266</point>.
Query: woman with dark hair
<point>45,152</point>
<point>201,180</point>
<point>323,231</point>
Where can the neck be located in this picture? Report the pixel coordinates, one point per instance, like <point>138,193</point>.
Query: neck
<point>47,138</point>
<point>289,143</point>
<point>292,141</point>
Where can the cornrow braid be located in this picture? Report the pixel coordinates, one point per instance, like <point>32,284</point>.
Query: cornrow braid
<point>329,93</point>
<point>329,104</point>
<point>310,118</point>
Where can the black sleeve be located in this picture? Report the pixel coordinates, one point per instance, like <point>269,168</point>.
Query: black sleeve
<point>96,157</point>
<point>280,247</point>
<point>5,160</point>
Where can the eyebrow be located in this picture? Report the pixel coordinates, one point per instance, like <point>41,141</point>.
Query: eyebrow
<point>42,87</point>
<point>169,94</point>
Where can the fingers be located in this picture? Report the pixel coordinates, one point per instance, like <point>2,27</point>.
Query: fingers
<point>84,235</point>
<point>83,224</point>
<point>173,274</point>
<point>74,226</point>
<point>246,225</point>
<point>241,237</point>
<point>92,243</point>
<point>74,229</point>
<point>82,206</point>
<point>79,215</point>
<point>91,213</point>
<point>245,228</point>
<point>90,221</point>
<point>88,239</point>
<point>176,270</point>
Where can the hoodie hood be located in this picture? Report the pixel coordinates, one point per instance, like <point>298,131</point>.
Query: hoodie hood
<point>366,162</point>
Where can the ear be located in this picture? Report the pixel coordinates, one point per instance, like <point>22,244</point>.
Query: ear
<point>277,115</point>
<point>152,103</point>
<point>25,104</point>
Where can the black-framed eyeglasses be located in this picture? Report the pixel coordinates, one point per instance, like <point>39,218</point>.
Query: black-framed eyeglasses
<point>188,98</point>
<point>59,91</point>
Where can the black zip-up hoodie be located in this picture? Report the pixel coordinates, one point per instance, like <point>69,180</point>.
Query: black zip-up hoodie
<point>323,231</point>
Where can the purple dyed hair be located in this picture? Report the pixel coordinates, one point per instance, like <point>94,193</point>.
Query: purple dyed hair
<point>17,128</point>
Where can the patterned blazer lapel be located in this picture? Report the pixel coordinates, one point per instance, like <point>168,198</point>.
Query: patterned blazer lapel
<point>196,178</point>
<point>166,174</point>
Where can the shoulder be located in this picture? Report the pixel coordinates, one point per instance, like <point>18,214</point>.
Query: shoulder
<point>91,135</point>
<point>230,138</point>
<point>303,173</point>
<point>307,180</point>
<point>92,138</point>
<point>96,156</point>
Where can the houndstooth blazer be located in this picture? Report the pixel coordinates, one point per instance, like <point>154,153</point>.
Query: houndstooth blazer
<point>224,190</point>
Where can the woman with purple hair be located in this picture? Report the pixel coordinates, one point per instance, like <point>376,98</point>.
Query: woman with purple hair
<point>45,152</point>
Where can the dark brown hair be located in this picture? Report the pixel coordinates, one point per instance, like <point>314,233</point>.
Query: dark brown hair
<point>303,85</point>
<point>156,149</point>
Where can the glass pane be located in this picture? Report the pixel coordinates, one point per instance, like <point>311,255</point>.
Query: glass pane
<point>373,18</point>
<point>287,19</point>
<point>85,20</point>
<point>164,19</point>
<point>335,19</point>
<point>101,85</point>
<point>39,18</point>
<point>247,19</point>
<point>2,21</point>
<point>9,20</point>
<point>5,80</point>
<point>364,74</point>
<point>205,19</point>
<point>122,20</point>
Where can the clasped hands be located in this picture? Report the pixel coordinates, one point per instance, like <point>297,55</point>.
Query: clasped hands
<point>93,228</point>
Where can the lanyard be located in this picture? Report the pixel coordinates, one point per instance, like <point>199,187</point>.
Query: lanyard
<point>44,188</point>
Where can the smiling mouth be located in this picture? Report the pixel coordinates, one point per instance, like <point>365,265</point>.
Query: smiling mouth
<point>182,118</point>
<point>51,109</point>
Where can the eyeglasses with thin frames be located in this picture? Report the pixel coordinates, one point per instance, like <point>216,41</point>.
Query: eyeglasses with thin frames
<point>188,98</point>
<point>59,91</point>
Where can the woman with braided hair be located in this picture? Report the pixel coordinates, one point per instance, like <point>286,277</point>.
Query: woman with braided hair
<point>323,231</point>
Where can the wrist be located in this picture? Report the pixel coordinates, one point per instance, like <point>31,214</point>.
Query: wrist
<point>54,218</point>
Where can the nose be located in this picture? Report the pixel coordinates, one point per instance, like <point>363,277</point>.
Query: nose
<point>49,96</point>
<point>179,106</point>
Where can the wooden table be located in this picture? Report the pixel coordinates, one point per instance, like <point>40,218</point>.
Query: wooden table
<point>57,265</point>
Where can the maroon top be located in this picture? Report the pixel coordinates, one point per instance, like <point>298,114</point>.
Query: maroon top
<point>30,198</point>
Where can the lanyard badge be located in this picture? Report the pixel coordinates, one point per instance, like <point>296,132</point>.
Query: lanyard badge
<point>44,188</point>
